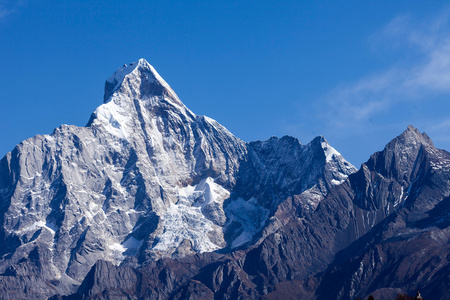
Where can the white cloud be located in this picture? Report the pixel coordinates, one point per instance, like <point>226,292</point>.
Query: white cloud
<point>422,72</point>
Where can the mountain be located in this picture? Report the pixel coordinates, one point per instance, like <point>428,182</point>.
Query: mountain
<point>383,231</point>
<point>150,201</point>
<point>408,250</point>
<point>148,192</point>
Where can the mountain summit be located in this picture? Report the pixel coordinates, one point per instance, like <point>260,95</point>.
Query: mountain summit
<point>134,96</point>
<point>138,79</point>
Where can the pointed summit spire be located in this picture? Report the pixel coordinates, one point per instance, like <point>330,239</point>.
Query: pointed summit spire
<point>413,136</point>
<point>402,155</point>
<point>134,95</point>
<point>138,80</point>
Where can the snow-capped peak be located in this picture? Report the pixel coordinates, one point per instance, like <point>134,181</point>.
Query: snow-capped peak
<point>329,151</point>
<point>123,71</point>
<point>137,93</point>
<point>138,79</point>
<point>337,168</point>
<point>321,144</point>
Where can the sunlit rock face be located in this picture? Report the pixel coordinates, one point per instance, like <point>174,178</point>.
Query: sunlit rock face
<point>383,231</point>
<point>145,179</point>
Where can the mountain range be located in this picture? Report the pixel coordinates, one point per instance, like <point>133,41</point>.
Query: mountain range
<point>151,201</point>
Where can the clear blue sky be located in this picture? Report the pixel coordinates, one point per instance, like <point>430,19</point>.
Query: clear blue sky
<point>356,72</point>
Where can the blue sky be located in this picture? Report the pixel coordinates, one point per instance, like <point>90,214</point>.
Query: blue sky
<point>356,72</point>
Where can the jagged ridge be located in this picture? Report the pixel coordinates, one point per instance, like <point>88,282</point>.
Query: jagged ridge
<point>341,251</point>
<point>145,179</point>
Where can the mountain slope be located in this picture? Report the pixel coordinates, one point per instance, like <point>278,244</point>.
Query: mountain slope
<point>409,250</point>
<point>100,192</point>
<point>342,250</point>
<point>145,179</point>
<point>385,230</point>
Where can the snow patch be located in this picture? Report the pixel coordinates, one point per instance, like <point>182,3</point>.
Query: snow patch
<point>37,225</point>
<point>329,151</point>
<point>186,219</point>
<point>250,215</point>
<point>114,119</point>
<point>117,247</point>
<point>337,182</point>
<point>117,251</point>
<point>132,243</point>
<point>120,74</point>
<point>128,247</point>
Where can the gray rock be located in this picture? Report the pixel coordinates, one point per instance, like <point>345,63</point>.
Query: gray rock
<point>328,253</point>
<point>150,201</point>
<point>143,179</point>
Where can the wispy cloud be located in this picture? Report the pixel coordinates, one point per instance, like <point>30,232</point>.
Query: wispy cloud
<point>422,71</point>
<point>4,11</point>
<point>440,131</point>
<point>8,7</point>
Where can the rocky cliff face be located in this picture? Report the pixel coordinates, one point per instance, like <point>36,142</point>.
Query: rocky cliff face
<point>150,201</point>
<point>147,181</point>
<point>409,249</point>
<point>342,250</point>
<point>383,231</point>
